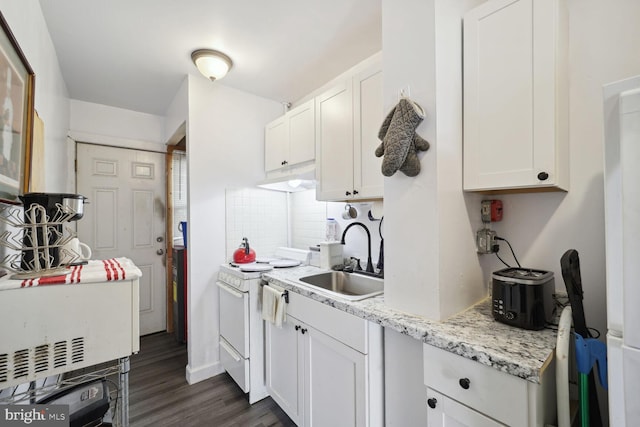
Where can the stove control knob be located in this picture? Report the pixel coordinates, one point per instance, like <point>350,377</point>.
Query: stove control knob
<point>510,315</point>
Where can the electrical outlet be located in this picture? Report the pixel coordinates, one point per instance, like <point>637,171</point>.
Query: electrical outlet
<point>485,241</point>
<point>485,211</point>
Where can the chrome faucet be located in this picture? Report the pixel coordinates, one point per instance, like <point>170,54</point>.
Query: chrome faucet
<point>344,233</point>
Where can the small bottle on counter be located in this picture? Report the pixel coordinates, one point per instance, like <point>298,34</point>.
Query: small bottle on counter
<point>331,231</point>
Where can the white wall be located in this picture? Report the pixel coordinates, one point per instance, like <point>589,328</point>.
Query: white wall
<point>225,147</point>
<point>118,127</point>
<point>603,47</point>
<point>427,217</point>
<point>51,97</point>
<point>176,114</point>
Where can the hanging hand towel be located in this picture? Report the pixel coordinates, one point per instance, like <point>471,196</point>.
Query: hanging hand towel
<point>273,306</point>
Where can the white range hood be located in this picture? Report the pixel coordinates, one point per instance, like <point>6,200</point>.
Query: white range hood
<point>291,182</point>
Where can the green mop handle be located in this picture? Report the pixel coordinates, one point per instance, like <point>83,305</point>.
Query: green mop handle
<point>584,400</point>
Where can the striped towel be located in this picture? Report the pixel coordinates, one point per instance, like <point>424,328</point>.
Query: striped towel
<point>107,270</point>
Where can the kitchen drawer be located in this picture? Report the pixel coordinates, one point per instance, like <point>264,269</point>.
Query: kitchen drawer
<point>235,365</point>
<point>496,394</point>
<point>344,327</point>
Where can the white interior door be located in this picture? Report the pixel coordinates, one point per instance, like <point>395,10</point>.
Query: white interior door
<point>125,216</point>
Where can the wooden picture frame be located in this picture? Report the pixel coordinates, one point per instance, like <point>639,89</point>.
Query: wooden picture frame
<point>17,89</point>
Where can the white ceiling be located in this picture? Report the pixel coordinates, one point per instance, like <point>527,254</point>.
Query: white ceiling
<point>134,54</point>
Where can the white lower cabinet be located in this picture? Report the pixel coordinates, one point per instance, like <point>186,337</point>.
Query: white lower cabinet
<point>335,389</point>
<point>318,379</point>
<point>285,367</point>
<point>462,392</point>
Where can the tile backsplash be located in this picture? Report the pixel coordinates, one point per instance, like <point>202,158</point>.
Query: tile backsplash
<point>270,219</point>
<point>308,218</point>
<point>260,215</point>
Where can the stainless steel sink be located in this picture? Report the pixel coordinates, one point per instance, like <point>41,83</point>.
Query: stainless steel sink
<point>352,286</point>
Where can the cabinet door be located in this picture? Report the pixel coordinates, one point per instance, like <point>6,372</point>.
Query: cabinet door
<point>302,133</point>
<point>513,96</point>
<point>276,144</point>
<point>285,367</point>
<point>367,118</point>
<point>446,412</point>
<point>335,389</point>
<point>334,143</point>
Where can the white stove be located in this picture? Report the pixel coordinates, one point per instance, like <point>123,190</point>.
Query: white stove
<point>241,324</point>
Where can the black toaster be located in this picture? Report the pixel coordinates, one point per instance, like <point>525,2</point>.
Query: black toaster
<point>523,297</point>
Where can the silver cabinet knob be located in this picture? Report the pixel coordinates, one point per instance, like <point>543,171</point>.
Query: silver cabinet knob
<point>160,251</point>
<point>160,239</point>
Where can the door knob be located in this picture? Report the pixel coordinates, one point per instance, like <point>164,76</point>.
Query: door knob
<point>160,251</point>
<point>159,239</point>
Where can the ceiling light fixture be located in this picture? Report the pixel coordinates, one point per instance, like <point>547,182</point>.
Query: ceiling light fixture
<point>212,64</point>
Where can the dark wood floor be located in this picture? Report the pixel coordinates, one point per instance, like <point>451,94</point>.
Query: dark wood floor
<point>160,395</point>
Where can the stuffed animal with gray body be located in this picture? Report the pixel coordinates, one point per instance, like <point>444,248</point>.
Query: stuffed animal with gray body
<point>400,142</point>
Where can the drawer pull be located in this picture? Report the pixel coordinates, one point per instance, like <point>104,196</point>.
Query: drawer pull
<point>464,383</point>
<point>432,402</point>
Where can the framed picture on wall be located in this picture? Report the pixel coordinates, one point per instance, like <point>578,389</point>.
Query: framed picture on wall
<point>17,82</point>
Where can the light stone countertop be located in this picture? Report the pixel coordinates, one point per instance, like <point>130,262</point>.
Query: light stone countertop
<point>473,333</point>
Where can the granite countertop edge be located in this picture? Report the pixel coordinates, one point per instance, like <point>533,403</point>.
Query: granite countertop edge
<point>472,333</point>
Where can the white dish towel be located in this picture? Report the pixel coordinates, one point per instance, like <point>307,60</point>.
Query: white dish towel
<point>273,305</point>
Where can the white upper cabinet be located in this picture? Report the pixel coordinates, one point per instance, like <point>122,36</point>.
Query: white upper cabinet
<point>515,96</point>
<point>276,144</point>
<point>290,139</point>
<point>334,133</point>
<point>367,118</point>
<point>348,117</point>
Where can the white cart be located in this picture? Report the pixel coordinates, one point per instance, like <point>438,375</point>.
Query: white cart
<point>54,329</point>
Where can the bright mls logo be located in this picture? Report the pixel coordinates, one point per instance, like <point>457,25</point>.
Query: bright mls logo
<point>34,415</point>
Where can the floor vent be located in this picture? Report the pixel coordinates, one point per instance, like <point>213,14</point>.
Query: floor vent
<point>41,361</point>
<point>21,363</point>
<point>4,367</point>
<point>60,354</point>
<point>77,350</point>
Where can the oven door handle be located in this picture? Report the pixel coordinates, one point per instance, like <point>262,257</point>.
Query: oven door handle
<point>229,289</point>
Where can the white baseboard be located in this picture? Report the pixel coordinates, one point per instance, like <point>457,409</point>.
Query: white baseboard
<point>201,373</point>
